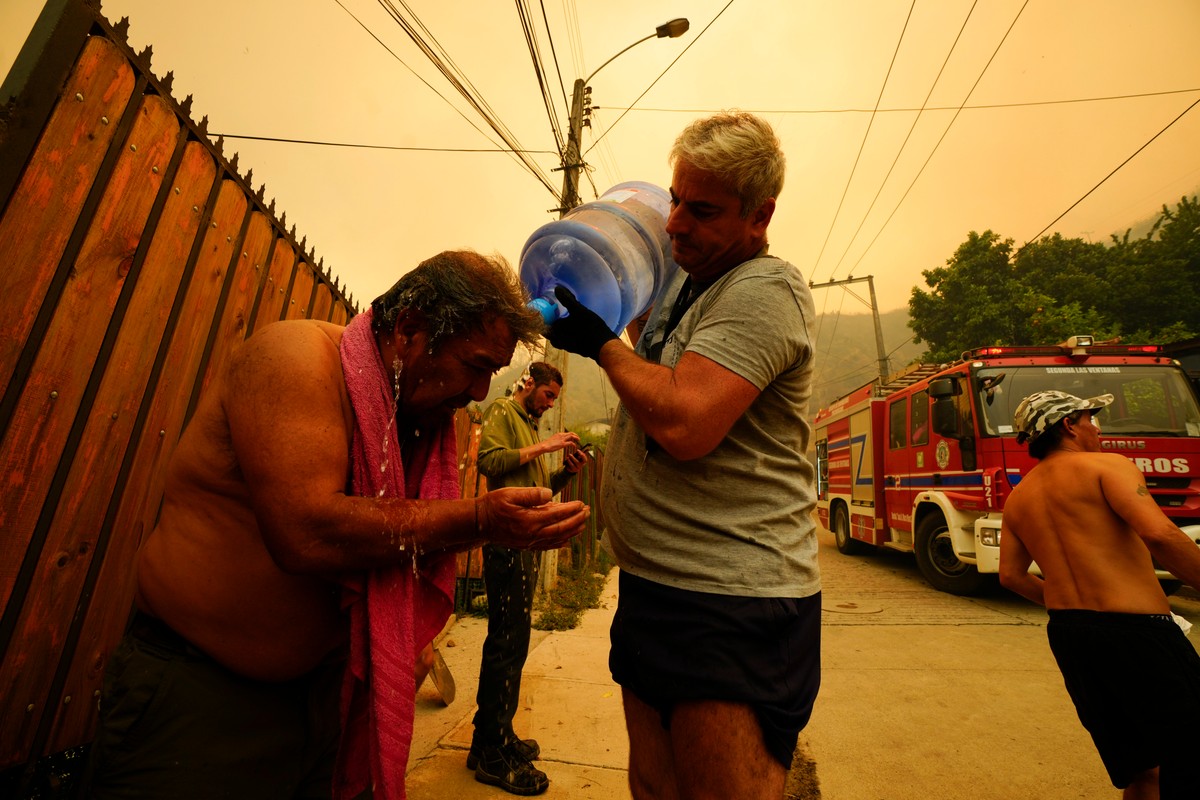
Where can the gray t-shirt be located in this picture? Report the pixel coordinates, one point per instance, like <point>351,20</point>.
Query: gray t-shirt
<point>739,520</point>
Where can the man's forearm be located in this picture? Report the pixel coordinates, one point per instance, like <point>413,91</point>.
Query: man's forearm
<point>645,389</point>
<point>1178,554</point>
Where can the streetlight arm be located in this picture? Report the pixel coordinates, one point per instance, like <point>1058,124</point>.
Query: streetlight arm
<point>673,29</point>
<point>588,79</point>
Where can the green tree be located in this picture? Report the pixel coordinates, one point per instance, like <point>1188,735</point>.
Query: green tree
<point>1152,280</point>
<point>974,300</point>
<point>1142,290</point>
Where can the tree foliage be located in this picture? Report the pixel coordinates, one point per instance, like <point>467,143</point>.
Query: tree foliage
<point>1142,290</point>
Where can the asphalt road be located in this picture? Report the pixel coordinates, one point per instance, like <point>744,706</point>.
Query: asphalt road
<point>927,695</point>
<point>924,696</point>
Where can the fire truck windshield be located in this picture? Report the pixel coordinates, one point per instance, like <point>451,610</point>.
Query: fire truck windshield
<point>1148,399</point>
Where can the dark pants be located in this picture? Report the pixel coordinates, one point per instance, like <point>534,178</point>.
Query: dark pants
<point>510,577</point>
<point>174,723</point>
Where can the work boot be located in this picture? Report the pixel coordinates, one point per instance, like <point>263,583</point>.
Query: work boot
<point>527,749</point>
<point>506,768</point>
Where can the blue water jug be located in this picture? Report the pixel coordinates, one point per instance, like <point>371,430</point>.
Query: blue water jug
<point>613,254</point>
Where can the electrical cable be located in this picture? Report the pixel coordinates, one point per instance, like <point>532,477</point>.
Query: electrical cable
<point>942,138</point>
<point>540,74</point>
<point>438,57</point>
<point>900,150</point>
<point>967,107</point>
<point>695,39</point>
<point>863,144</point>
<point>1114,172</point>
<point>497,149</point>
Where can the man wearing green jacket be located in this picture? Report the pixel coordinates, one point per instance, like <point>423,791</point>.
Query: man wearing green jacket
<point>510,454</point>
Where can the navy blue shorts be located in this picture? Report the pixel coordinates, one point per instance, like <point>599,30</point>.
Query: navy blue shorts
<point>1135,682</point>
<point>673,645</point>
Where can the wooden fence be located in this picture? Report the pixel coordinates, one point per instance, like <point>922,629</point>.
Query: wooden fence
<point>133,258</point>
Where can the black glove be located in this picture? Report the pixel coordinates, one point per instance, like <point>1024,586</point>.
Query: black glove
<point>582,332</point>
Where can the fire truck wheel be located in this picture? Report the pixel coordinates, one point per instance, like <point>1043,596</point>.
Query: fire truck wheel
<point>841,534</point>
<point>938,562</point>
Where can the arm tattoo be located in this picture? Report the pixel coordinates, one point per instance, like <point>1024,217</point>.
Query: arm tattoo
<point>1142,490</point>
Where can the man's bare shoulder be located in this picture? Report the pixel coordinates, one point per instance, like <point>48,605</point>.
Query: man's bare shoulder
<point>291,333</point>
<point>289,345</point>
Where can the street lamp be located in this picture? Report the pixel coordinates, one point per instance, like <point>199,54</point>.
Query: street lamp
<point>572,161</point>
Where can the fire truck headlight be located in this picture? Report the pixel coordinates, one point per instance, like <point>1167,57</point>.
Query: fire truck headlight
<point>989,537</point>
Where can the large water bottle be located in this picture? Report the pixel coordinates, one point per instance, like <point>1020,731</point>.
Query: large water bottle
<point>613,254</point>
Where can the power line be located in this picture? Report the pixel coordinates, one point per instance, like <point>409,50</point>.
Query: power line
<point>942,138</point>
<point>403,63</point>
<point>562,86</point>
<point>898,109</point>
<point>539,71</point>
<point>437,55</point>
<point>496,149</point>
<point>660,75</point>
<point>1114,172</point>
<point>900,150</point>
<point>866,134</point>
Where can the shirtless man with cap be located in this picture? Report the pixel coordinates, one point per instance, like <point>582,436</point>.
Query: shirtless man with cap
<point>1088,520</point>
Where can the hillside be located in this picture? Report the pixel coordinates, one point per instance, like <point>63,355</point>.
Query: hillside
<point>846,359</point>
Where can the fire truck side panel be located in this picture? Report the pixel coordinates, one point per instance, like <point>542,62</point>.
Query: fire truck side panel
<point>865,500</point>
<point>847,458</point>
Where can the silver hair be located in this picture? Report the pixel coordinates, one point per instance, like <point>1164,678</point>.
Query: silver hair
<point>739,148</point>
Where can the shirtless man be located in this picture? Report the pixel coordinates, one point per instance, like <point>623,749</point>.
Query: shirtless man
<point>1088,520</point>
<point>228,683</point>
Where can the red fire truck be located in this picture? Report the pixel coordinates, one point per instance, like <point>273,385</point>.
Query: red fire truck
<point>923,461</point>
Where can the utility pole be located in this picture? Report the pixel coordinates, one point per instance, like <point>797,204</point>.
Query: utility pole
<point>573,155</point>
<point>884,369</point>
<point>572,163</point>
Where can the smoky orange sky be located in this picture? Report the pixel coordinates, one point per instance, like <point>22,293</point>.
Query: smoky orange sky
<point>1028,106</point>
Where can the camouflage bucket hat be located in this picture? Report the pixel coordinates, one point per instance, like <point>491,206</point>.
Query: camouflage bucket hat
<point>1038,412</point>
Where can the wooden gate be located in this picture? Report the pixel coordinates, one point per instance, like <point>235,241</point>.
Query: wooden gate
<point>133,258</point>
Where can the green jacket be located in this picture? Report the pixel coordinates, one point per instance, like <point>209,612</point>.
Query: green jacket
<point>507,427</point>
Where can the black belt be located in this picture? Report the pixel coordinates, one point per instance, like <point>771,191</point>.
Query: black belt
<point>153,630</point>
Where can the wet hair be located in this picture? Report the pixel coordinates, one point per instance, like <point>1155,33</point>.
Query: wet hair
<point>740,149</point>
<point>544,374</point>
<point>457,291</point>
<point>1048,440</point>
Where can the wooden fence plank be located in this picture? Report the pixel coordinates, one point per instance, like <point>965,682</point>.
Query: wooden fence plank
<point>232,330</point>
<point>322,302</point>
<point>300,299</point>
<point>341,314</point>
<point>275,286</point>
<point>43,210</point>
<point>138,509</point>
<point>46,410</point>
<point>301,295</point>
<point>75,531</point>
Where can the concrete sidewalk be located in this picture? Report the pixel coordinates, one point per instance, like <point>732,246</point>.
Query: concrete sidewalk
<point>569,704</point>
<point>924,696</point>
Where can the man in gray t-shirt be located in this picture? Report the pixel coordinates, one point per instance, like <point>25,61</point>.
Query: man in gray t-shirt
<point>707,493</point>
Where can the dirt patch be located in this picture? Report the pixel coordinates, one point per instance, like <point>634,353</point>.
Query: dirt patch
<point>802,783</point>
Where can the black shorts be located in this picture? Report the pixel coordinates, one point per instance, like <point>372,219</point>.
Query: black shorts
<point>174,723</point>
<point>1135,682</point>
<point>672,645</point>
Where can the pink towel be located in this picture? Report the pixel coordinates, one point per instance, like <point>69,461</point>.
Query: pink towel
<point>394,611</point>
